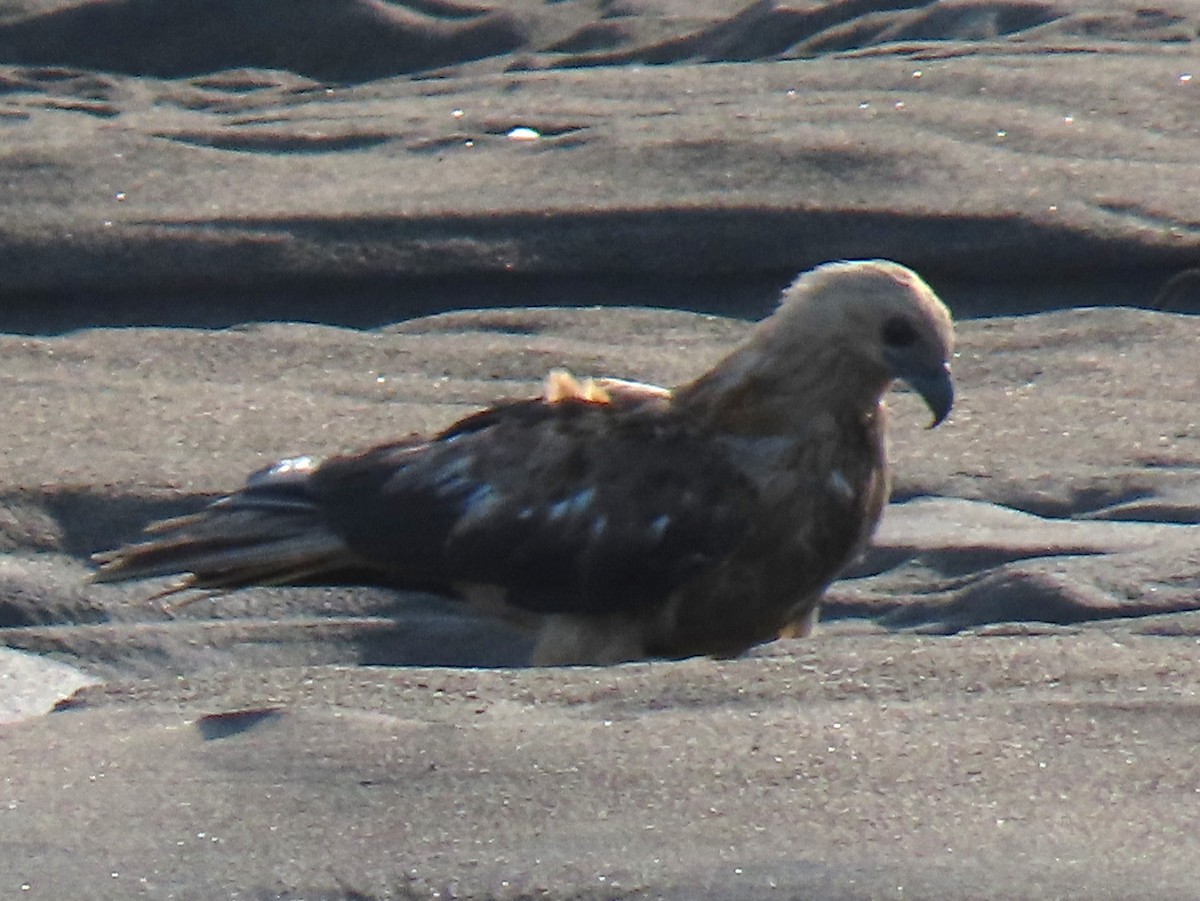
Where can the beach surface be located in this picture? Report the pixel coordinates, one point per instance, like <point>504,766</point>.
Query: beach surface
<point>238,232</point>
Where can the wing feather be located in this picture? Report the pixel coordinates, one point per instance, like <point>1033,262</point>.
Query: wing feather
<point>572,507</point>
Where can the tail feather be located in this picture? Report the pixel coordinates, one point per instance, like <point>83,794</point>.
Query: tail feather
<point>271,532</point>
<point>224,561</point>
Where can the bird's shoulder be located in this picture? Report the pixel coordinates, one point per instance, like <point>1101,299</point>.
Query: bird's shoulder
<point>527,448</point>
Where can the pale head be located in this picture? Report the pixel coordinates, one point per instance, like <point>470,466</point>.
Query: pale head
<point>843,332</point>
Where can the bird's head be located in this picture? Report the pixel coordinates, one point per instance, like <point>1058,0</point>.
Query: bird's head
<point>873,321</point>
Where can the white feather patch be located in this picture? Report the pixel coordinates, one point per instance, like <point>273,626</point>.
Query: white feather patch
<point>480,504</point>
<point>452,478</point>
<point>658,527</point>
<point>840,485</point>
<point>573,505</point>
<point>294,464</point>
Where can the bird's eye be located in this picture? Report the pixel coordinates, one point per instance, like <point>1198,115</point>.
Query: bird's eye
<point>899,332</point>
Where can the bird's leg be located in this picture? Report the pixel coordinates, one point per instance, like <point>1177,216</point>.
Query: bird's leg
<point>597,640</point>
<point>802,624</point>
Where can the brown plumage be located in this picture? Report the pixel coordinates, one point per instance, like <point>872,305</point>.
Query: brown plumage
<point>623,520</point>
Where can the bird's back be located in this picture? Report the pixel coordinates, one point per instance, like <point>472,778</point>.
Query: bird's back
<point>572,507</point>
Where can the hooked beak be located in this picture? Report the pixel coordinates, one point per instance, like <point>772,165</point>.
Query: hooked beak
<point>936,388</point>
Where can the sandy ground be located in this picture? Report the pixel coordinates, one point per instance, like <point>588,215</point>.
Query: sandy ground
<point>1001,701</point>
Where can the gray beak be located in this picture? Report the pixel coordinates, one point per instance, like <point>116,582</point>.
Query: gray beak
<point>936,388</point>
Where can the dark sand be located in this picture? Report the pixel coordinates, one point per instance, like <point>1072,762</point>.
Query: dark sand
<point>1001,701</point>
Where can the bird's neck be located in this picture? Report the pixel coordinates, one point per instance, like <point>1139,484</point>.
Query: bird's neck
<point>750,392</point>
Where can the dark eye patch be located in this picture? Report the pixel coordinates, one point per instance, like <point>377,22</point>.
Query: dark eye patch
<point>899,332</point>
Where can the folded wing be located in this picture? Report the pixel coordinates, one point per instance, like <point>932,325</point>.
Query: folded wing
<point>573,506</point>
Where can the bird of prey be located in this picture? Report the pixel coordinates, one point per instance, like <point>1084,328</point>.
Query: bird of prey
<point>624,521</point>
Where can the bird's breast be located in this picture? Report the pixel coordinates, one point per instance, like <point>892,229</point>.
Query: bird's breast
<point>818,500</point>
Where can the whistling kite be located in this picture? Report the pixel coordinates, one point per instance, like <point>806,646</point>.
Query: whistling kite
<point>623,520</point>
